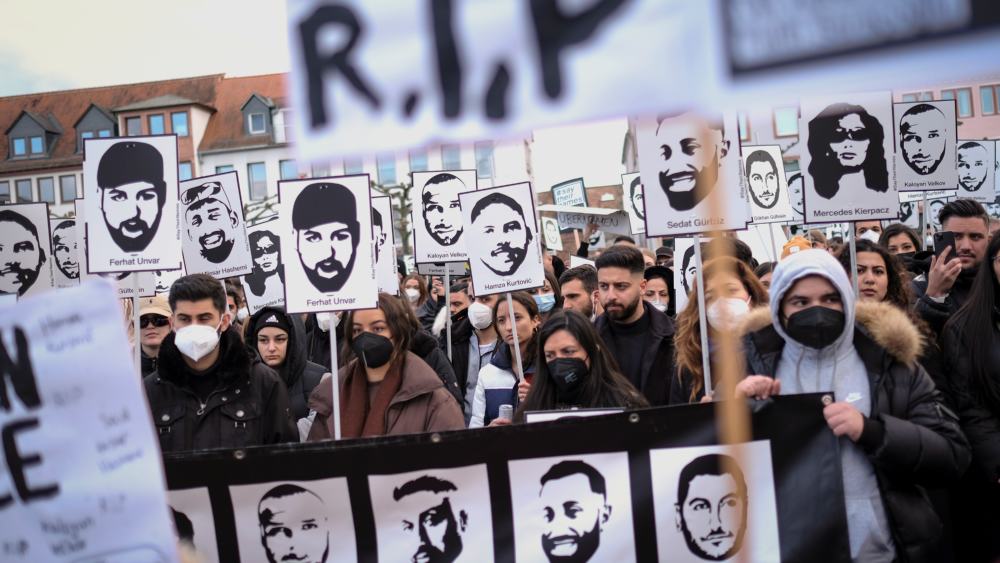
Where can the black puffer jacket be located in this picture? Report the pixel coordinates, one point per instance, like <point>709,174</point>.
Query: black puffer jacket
<point>299,374</point>
<point>425,346</point>
<point>658,357</point>
<point>937,314</point>
<point>248,406</point>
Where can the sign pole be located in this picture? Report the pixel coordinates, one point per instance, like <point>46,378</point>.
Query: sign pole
<point>923,222</point>
<point>774,246</point>
<point>447,304</point>
<point>135,323</point>
<point>854,256</point>
<point>706,364</point>
<point>334,379</point>
<point>519,371</point>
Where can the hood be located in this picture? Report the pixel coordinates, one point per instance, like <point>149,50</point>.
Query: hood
<point>295,357</point>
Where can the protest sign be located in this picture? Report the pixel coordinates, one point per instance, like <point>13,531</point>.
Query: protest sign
<point>124,282</point>
<point>796,185</point>
<point>214,233</point>
<point>765,179</point>
<point>130,195</point>
<point>909,208</point>
<point>976,162</point>
<point>993,208</point>
<point>553,238</point>
<point>264,286</point>
<point>454,269</point>
<point>325,225</point>
<point>926,135</point>
<point>65,262</point>
<point>437,232</point>
<point>632,196</point>
<point>607,220</point>
<point>685,271</point>
<point>625,469</point>
<point>570,192</point>
<point>84,480</point>
<point>163,280</point>
<point>575,261</point>
<point>503,243</point>
<point>24,249</point>
<point>383,231</point>
<point>846,164</point>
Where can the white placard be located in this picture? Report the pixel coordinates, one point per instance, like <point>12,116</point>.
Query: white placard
<point>65,259</point>
<point>846,158</point>
<point>325,225</point>
<point>575,261</point>
<point>570,192</point>
<point>86,454</point>
<point>796,186</point>
<point>383,232</point>
<point>683,160</point>
<point>453,269</point>
<point>130,194</point>
<point>546,416</point>
<point>632,190</point>
<point>764,172</point>
<point>976,162</point>
<point>926,134</point>
<point>553,238</point>
<point>438,227</point>
<point>264,286</point>
<point>163,280</point>
<point>25,255</point>
<point>214,234</point>
<point>503,240</point>
<point>193,520</point>
<point>993,208</point>
<point>934,209</point>
<point>124,282</point>
<point>685,271</point>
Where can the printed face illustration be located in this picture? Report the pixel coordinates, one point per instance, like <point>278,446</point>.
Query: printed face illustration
<point>551,232</point>
<point>711,511</point>
<point>327,254</point>
<point>762,175</point>
<point>505,231</point>
<point>636,197</point>
<point>973,165</point>
<point>21,256</point>
<point>132,193</point>
<point>293,525</point>
<point>573,517</point>
<point>165,279</point>
<point>210,221</point>
<point>264,249</point>
<point>850,141</point>
<point>433,527</point>
<point>905,211</point>
<point>441,210</point>
<point>933,208</point>
<point>689,269</point>
<point>922,133</point>
<point>691,154</point>
<point>64,249</point>
<point>795,184</point>
<point>378,231</point>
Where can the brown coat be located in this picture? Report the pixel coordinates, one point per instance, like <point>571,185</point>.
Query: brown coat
<point>422,404</point>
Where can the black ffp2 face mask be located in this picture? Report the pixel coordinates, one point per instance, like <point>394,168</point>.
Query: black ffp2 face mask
<point>568,375</point>
<point>373,349</point>
<point>816,327</point>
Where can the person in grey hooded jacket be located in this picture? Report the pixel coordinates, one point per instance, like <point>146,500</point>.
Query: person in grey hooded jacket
<point>896,436</point>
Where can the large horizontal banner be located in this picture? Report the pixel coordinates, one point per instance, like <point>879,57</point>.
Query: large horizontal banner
<point>637,486</point>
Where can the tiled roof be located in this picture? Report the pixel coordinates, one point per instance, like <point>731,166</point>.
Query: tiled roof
<point>225,128</point>
<point>165,101</point>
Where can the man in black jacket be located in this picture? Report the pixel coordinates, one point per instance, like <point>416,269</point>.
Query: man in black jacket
<point>280,342</point>
<point>209,390</point>
<point>638,337</point>
<point>473,341</point>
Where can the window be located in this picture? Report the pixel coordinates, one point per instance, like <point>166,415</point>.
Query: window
<point>24,191</point>
<point>37,146</point>
<point>320,170</point>
<point>258,180</point>
<point>67,188</point>
<point>47,190</point>
<point>353,166</point>
<point>104,133</point>
<point>5,192</point>
<point>20,146</point>
<point>451,157</point>
<point>418,161</point>
<point>179,123</point>
<point>744,125</point>
<point>156,126</point>
<point>917,97</point>
<point>184,171</point>
<point>133,126</point>
<point>484,159</point>
<point>963,99</point>
<point>386,167</point>
<point>288,169</point>
<point>988,99</point>
<point>786,122</point>
<point>255,124</point>
<point>224,168</point>
<point>909,97</point>
<point>87,135</point>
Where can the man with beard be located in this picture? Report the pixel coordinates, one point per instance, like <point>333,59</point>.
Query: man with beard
<point>210,221</point>
<point>501,221</point>
<point>578,286</point>
<point>692,150</point>
<point>267,275</point>
<point>435,527</point>
<point>923,130</point>
<point>973,166</point>
<point>64,249</point>
<point>294,525</point>
<point>762,176</point>
<point>324,218</point>
<point>130,176</point>
<point>637,336</point>
<point>441,210</point>
<point>711,509</point>
<point>378,231</point>
<point>166,278</point>
<point>21,254</point>
<point>635,196</point>
<point>575,507</point>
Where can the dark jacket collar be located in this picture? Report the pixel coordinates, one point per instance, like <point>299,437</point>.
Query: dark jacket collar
<point>233,362</point>
<point>660,325</point>
<point>766,345</point>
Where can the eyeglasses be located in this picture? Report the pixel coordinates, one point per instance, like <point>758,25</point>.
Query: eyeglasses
<point>157,321</point>
<point>841,135</point>
<point>192,195</point>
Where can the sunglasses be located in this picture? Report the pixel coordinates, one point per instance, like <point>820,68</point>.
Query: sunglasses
<point>157,321</point>
<point>841,135</point>
<point>192,195</point>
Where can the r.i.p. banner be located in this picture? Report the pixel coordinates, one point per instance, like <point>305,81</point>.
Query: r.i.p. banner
<point>648,485</point>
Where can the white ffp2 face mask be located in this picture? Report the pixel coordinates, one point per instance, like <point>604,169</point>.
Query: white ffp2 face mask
<point>870,236</point>
<point>327,320</point>
<point>659,306</point>
<point>480,316</point>
<point>412,294</point>
<point>243,314</point>
<point>197,341</point>
<point>725,314</point>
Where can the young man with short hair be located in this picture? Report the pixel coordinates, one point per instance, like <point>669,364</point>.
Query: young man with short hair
<point>473,340</point>
<point>578,286</point>
<point>209,391</point>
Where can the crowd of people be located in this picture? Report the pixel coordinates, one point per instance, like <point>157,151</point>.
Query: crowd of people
<point>913,360</point>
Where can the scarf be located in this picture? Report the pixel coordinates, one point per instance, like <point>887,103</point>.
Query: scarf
<point>357,419</point>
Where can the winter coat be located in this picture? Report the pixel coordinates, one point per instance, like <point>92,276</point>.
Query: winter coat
<point>248,408</point>
<point>496,385</point>
<point>937,314</point>
<point>318,341</point>
<point>425,346</point>
<point>299,374</point>
<point>658,359</point>
<point>428,311</point>
<point>420,405</point>
<point>148,363</point>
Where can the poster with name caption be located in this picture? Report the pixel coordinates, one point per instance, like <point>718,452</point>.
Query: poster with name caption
<point>934,211</point>
<point>213,232</point>
<point>684,160</point>
<point>264,286</point>
<point>124,282</point>
<point>325,225</point>
<point>191,510</point>
<point>976,162</point>
<point>166,278</point>
<point>993,208</point>
<point>685,272</point>
<point>65,261</point>
<point>86,461</point>
<point>796,185</point>
<point>910,204</point>
<point>504,250</point>
<point>764,172</point>
<point>25,255</point>
<point>130,192</point>
<point>438,231</point>
<point>553,238</point>
<point>926,136</point>
<point>383,231</point>
<point>632,196</point>
<point>846,157</point>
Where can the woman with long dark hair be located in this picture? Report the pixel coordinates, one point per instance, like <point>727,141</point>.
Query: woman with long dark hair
<point>846,141</point>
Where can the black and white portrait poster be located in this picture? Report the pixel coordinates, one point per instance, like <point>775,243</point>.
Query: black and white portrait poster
<point>130,192</point>
<point>383,231</point>
<point>294,521</point>
<point>166,278</point>
<point>846,161</point>
<point>796,185</point>
<point>191,510</point>
<point>502,240</point>
<point>715,502</point>
<point>325,225</point>
<point>213,234</point>
<point>685,270</point>
<point>124,282</point>
<point>632,198</point>
<point>993,208</point>
<point>934,211</point>
<point>910,204</point>
<point>65,262</point>
<point>550,229</point>
<point>576,508</point>
<point>438,231</point>
<point>976,162</point>
<point>264,286</point>
<point>25,258</point>
<point>684,159</point>
<point>925,134</point>
<point>764,172</point>
<point>433,515</point>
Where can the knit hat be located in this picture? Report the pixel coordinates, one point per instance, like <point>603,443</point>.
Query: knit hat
<point>797,243</point>
<point>272,318</point>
